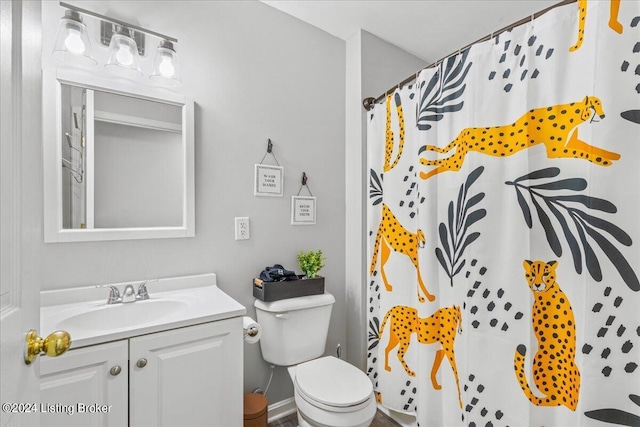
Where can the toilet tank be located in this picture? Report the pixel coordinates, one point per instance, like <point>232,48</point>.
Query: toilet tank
<point>294,330</point>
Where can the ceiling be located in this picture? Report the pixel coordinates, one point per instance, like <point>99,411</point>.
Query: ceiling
<point>429,29</point>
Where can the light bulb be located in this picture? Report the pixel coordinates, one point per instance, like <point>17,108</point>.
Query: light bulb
<point>73,42</point>
<point>124,55</point>
<point>166,67</point>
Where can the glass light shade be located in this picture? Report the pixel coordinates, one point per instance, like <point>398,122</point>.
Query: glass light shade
<point>123,56</point>
<point>166,68</point>
<point>72,41</point>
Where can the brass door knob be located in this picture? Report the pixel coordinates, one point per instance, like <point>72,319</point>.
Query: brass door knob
<point>141,363</point>
<point>54,345</point>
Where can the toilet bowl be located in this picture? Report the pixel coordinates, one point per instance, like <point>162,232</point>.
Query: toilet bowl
<point>331,392</point>
<point>328,392</point>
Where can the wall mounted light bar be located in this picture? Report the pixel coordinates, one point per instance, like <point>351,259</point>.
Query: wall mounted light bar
<point>126,44</point>
<point>117,21</point>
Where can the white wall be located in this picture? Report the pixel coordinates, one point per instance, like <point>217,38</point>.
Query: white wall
<point>254,73</point>
<point>373,66</point>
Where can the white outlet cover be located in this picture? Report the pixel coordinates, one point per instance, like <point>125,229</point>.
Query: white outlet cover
<point>242,228</point>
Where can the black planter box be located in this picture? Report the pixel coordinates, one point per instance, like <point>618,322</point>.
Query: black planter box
<point>274,291</point>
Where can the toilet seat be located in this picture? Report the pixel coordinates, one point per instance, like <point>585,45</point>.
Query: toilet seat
<point>333,384</point>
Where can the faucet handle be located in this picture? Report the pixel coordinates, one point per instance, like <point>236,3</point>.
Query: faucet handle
<point>114,295</point>
<point>142,291</point>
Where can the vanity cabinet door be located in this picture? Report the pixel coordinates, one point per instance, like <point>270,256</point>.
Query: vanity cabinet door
<point>85,387</point>
<point>188,377</point>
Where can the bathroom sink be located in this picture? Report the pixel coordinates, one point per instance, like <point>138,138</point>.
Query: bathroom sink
<point>117,316</point>
<point>174,303</point>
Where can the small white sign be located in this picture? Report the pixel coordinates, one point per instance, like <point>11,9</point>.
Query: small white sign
<point>303,210</point>
<point>268,181</point>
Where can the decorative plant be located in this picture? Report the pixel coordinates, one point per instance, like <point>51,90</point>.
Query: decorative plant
<point>310,262</point>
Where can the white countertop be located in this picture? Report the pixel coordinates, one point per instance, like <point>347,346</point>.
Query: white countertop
<point>197,299</point>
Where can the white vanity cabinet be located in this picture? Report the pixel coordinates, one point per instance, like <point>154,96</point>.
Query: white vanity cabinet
<point>86,387</point>
<point>190,376</point>
<point>187,377</point>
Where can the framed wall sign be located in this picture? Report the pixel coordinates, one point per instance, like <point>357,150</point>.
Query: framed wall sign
<point>268,181</point>
<point>303,210</point>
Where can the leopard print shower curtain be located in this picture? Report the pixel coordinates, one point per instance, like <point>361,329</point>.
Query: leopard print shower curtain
<point>503,229</point>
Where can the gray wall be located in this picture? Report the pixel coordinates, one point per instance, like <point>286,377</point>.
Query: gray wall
<point>138,177</point>
<point>385,65</point>
<point>373,66</point>
<point>254,73</point>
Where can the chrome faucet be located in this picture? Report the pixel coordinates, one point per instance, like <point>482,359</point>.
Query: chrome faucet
<point>142,291</point>
<point>114,295</point>
<point>129,295</point>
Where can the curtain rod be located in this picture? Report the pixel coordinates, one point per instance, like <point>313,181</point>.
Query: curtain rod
<point>368,103</point>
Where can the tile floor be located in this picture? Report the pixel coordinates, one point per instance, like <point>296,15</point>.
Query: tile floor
<point>380,420</point>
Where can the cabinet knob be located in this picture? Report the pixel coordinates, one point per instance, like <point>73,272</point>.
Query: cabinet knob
<point>141,363</point>
<point>115,370</point>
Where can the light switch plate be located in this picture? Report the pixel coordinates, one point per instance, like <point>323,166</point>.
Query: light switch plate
<point>242,228</point>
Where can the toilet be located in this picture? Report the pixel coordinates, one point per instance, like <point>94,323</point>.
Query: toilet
<point>328,391</point>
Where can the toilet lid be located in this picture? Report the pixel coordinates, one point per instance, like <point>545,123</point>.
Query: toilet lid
<point>333,382</point>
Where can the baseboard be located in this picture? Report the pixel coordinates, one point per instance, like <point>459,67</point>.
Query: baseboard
<point>281,409</point>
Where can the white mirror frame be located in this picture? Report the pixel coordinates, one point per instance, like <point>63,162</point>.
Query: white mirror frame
<point>52,155</point>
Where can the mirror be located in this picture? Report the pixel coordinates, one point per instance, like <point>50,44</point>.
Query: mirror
<point>118,160</point>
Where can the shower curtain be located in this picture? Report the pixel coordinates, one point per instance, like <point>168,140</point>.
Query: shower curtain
<point>504,228</point>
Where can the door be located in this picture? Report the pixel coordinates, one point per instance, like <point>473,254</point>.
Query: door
<point>20,84</point>
<point>187,377</point>
<point>87,387</point>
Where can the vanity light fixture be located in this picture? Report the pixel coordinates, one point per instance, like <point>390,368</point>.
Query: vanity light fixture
<point>72,40</point>
<point>123,54</point>
<point>126,44</point>
<point>166,69</point>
